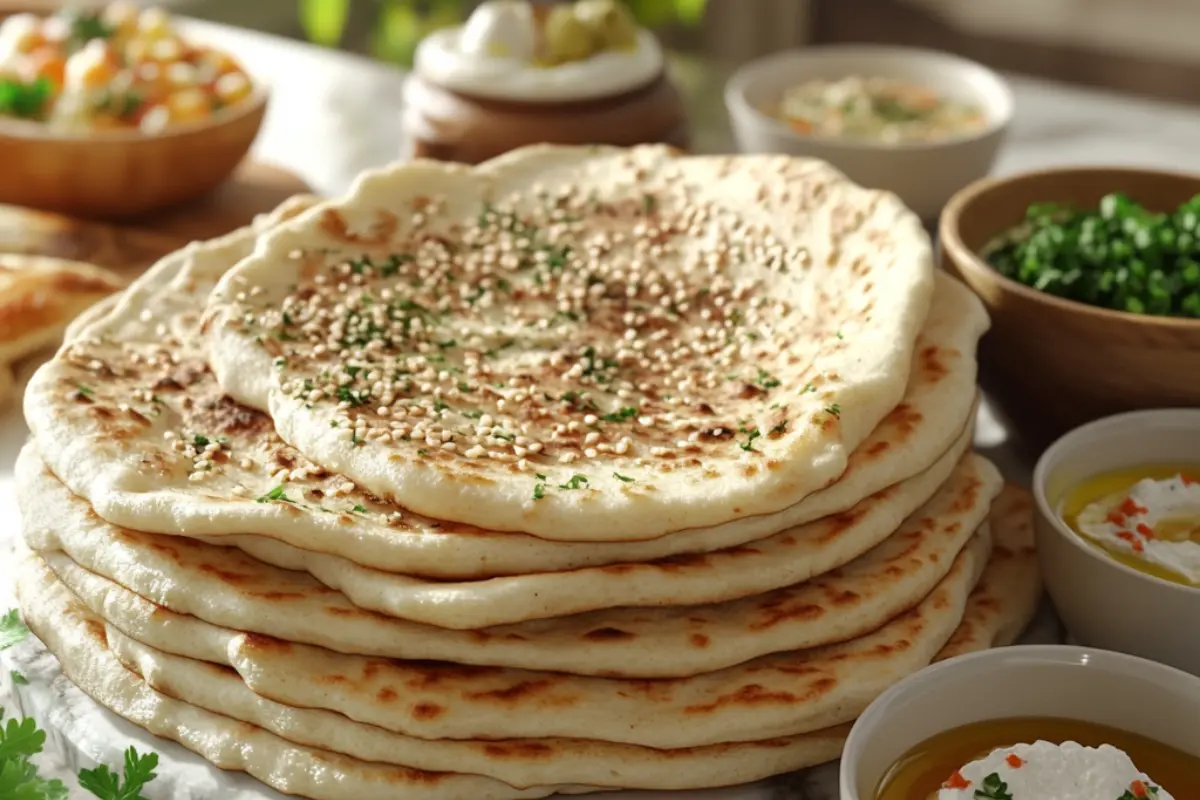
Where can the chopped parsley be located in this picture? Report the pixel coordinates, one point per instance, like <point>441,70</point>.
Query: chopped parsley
<point>12,630</point>
<point>17,678</point>
<point>422,452</point>
<point>200,441</point>
<point>355,397</point>
<point>85,390</point>
<point>359,509</point>
<point>1149,791</point>
<point>993,789</point>
<point>765,379</point>
<point>649,203</point>
<point>623,478</point>
<point>23,99</point>
<point>576,482</point>
<point>539,490</point>
<point>751,435</point>
<point>276,495</point>
<point>102,782</point>
<point>620,416</point>
<point>834,410</point>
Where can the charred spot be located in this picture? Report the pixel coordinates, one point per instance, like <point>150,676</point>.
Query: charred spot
<point>878,448</point>
<point>608,635</point>
<point>699,640</point>
<point>138,417</point>
<point>520,748</point>
<point>102,413</point>
<point>749,391</point>
<point>258,641</point>
<point>514,692</point>
<point>426,710</point>
<point>931,363</point>
<point>704,408</point>
<point>386,695</point>
<point>285,459</point>
<point>167,383</point>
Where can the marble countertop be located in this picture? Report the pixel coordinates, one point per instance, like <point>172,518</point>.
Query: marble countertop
<point>333,115</point>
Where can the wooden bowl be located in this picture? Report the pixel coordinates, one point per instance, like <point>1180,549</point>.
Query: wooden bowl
<point>1053,364</point>
<point>118,174</point>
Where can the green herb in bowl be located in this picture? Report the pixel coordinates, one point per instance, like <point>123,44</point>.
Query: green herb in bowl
<point>1120,256</point>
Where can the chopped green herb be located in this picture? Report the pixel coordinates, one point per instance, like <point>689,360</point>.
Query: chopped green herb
<point>751,435</point>
<point>576,482</point>
<point>1151,792</point>
<point>620,416</point>
<point>359,509</point>
<point>623,478</point>
<point>649,203</point>
<point>502,434</point>
<point>27,100</point>
<point>139,770</point>
<point>85,390</point>
<point>275,495</point>
<point>422,452</point>
<point>439,405</point>
<point>993,789</point>
<point>539,491</point>
<point>834,410</point>
<point>780,428</point>
<point>200,441</point>
<point>839,335</point>
<point>765,379</point>
<point>12,630</point>
<point>355,397</point>
<point>17,678</point>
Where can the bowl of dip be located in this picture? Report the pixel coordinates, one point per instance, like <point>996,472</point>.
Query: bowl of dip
<point>1118,533</point>
<point>518,73</point>
<point>1036,722</point>
<point>919,123</point>
<point>113,112</point>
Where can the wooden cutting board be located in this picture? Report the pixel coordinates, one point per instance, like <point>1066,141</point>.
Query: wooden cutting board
<point>129,248</point>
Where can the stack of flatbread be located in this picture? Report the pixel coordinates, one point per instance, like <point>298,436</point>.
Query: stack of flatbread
<point>582,469</point>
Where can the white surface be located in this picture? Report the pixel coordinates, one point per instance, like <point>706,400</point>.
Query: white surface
<point>333,115</point>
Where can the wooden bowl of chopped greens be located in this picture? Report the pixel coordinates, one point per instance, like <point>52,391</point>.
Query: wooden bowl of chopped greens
<point>114,112</point>
<point>1092,280</point>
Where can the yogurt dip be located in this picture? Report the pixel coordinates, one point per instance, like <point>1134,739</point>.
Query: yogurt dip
<point>1047,771</point>
<point>1156,521</point>
<point>508,50</point>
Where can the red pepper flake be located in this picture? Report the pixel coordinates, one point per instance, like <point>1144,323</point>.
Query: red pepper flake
<point>1130,508</point>
<point>1116,518</point>
<point>1014,760</point>
<point>1138,788</point>
<point>956,781</point>
<point>1134,542</point>
<point>1189,480</point>
<point>1145,530</point>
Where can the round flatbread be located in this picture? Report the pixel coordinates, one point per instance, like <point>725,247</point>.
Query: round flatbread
<point>783,694</point>
<point>582,343</point>
<point>98,441</point>
<point>226,587</point>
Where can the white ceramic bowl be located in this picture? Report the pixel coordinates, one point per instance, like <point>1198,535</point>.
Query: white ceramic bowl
<point>923,174</point>
<point>1061,681</point>
<point>1103,602</point>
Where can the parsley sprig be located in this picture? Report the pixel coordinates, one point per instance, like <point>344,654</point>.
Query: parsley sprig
<point>993,789</point>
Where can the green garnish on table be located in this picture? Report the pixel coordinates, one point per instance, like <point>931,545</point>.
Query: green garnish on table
<point>1120,256</point>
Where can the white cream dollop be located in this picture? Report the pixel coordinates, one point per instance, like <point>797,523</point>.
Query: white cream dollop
<point>1045,771</point>
<point>500,29</point>
<point>1154,522</point>
<point>492,56</point>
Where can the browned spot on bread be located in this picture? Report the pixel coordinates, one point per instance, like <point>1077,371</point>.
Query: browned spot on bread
<point>754,694</point>
<point>618,569</point>
<point>278,596</point>
<point>931,363</point>
<point>699,640</point>
<point>519,748</point>
<point>222,415</point>
<point>257,641</point>
<point>878,448</point>
<point>426,710</point>
<point>335,225</point>
<point>226,576</point>
<point>95,629</point>
<point>783,611</point>
<point>609,635</point>
<point>515,692</point>
<point>386,695</point>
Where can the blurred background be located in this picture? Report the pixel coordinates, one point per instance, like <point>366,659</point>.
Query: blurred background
<point>1146,47</point>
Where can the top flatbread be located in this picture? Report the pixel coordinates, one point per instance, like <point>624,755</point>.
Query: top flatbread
<point>99,442</point>
<point>584,344</point>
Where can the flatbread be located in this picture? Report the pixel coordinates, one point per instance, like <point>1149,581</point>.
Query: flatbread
<point>99,450</point>
<point>77,638</point>
<point>783,560</point>
<point>226,587</point>
<point>1006,597</point>
<point>784,694</point>
<point>39,296</point>
<point>582,343</point>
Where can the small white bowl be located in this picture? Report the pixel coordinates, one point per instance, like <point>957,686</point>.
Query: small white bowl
<point>1061,681</point>
<point>1103,602</point>
<point>925,175</point>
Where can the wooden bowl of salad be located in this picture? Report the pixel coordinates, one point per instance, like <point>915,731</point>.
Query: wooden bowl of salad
<point>112,113</point>
<point>1092,280</point>
<point>919,123</point>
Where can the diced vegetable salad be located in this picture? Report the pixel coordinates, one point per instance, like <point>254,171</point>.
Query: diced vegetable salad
<point>119,67</point>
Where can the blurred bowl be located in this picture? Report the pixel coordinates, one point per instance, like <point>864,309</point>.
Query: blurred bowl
<point>115,174</point>
<point>923,174</point>
<point>1053,364</point>
<point>1103,602</point>
<point>1061,681</point>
